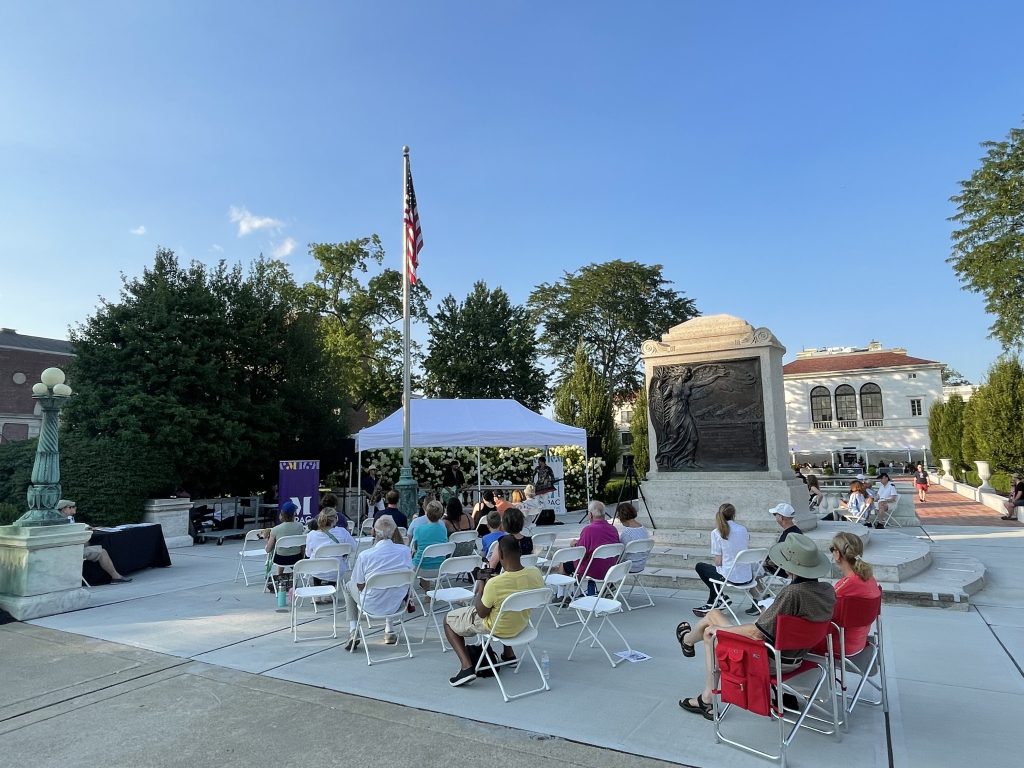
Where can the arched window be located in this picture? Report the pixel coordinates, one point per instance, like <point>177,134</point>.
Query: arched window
<point>821,404</point>
<point>871,402</point>
<point>846,403</point>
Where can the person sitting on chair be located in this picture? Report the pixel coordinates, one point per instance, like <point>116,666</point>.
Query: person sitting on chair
<point>728,539</point>
<point>328,532</point>
<point>887,496</point>
<point>806,598</point>
<point>481,510</point>
<point>391,498</point>
<point>512,524</point>
<point>632,530</point>
<point>597,532</point>
<point>93,553</point>
<point>385,555</point>
<point>287,527</point>
<point>478,619</point>
<point>858,580</point>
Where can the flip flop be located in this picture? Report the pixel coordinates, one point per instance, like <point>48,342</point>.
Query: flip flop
<point>700,708</point>
<point>688,650</point>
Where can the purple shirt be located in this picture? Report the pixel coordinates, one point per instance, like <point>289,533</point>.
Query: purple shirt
<point>593,536</point>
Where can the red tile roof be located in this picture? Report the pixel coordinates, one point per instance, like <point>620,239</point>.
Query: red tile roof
<point>852,362</point>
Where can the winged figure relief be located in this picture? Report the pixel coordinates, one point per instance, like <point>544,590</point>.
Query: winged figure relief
<point>673,390</point>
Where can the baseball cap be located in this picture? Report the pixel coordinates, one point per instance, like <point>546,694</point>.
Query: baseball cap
<point>861,477</point>
<point>289,506</point>
<point>783,510</point>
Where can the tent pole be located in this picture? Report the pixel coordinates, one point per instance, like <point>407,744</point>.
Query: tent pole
<point>479,492</point>
<point>359,485</point>
<point>586,474</point>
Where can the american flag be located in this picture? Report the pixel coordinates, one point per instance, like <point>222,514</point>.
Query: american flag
<point>413,234</point>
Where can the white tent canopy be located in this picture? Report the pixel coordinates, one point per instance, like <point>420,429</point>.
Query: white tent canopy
<point>479,423</point>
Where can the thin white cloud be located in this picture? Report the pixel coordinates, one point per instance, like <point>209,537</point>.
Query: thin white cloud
<point>217,248</point>
<point>284,248</point>
<point>139,230</point>
<point>249,222</point>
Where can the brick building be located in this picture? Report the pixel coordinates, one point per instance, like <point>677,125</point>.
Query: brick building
<point>22,360</point>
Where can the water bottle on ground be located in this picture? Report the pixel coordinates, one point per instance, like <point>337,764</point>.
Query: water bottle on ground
<point>545,665</point>
<point>282,598</point>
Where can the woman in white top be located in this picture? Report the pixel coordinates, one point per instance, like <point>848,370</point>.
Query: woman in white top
<point>632,530</point>
<point>328,532</point>
<point>727,540</point>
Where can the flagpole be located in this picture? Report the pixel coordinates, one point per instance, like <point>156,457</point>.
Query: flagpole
<point>407,486</point>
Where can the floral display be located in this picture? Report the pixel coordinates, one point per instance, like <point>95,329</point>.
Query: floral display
<point>496,464</point>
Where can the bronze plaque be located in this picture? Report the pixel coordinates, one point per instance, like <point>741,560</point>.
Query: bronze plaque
<point>708,416</point>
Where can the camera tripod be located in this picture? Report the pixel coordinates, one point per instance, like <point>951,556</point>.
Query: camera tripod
<point>633,482</point>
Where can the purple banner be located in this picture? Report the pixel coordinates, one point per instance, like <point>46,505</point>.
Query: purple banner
<point>299,481</point>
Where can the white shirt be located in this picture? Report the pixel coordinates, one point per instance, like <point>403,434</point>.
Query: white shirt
<point>887,492</point>
<point>738,540</point>
<point>317,539</point>
<point>383,556</point>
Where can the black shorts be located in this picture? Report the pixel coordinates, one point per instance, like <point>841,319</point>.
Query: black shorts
<point>287,559</point>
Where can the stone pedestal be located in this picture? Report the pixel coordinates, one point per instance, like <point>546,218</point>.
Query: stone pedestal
<point>172,516</point>
<point>41,570</point>
<point>728,375</point>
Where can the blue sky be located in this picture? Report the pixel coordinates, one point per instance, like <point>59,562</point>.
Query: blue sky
<point>789,163</point>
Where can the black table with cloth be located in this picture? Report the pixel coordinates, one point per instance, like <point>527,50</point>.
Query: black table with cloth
<point>131,549</point>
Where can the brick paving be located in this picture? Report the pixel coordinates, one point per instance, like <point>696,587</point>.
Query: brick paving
<point>947,508</point>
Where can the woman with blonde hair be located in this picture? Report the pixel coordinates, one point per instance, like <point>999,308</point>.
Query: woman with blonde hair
<point>856,503</point>
<point>728,539</point>
<point>858,580</point>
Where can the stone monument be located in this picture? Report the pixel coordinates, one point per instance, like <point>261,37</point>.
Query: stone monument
<point>717,429</point>
<point>41,554</point>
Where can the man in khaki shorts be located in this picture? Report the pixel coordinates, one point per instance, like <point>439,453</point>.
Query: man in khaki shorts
<point>94,553</point>
<point>478,619</point>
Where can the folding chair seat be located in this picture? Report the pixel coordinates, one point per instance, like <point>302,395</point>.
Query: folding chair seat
<point>303,571</point>
<point>603,552</point>
<point>384,580</point>
<point>528,600</point>
<point>754,558</point>
<point>446,592</point>
<point>865,665</point>
<point>432,551</point>
<point>529,561</point>
<point>340,554</point>
<point>462,540</point>
<point>639,547</point>
<point>252,554</point>
<point>543,543</point>
<point>285,542</point>
<point>749,674</point>
<point>590,608</point>
<point>555,580</point>
<point>890,514</point>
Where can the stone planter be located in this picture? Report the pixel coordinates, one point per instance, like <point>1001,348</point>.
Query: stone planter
<point>172,516</point>
<point>41,569</point>
<point>984,472</point>
<point>947,468</point>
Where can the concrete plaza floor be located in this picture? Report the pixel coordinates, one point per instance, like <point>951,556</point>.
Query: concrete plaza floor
<point>183,666</point>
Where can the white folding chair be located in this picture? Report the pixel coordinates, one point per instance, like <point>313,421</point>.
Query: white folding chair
<point>403,534</point>
<point>640,547</point>
<point>529,561</point>
<point>384,580</point>
<point>306,569</point>
<point>366,529</point>
<point>543,543</point>
<point>433,551</point>
<point>464,537</point>
<point>445,592</point>
<point>340,553</point>
<point>603,552</point>
<point>748,557</point>
<point>890,514</point>
<point>257,555</point>
<point>285,542</point>
<point>862,515</point>
<point>528,600</point>
<point>555,580</point>
<point>593,607</point>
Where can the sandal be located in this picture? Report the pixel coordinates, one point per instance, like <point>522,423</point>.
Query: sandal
<point>700,708</point>
<point>688,650</point>
<point>1007,517</point>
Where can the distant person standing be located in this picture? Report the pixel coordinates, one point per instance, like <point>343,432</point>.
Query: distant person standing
<point>921,483</point>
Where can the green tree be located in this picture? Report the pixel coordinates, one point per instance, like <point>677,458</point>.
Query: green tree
<point>951,377</point>
<point>611,308</point>
<point>953,435</point>
<point>638,429</point>
<point>936,437</point>
<point>361,315</point>
<point>970,441</point>
<point>988,244</point>
<point>998,409</point>
<point>483,347</point>
<point>582,400</point>
<point>221,373</point>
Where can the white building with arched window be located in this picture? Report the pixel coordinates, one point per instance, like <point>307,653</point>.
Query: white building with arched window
<point>860,405</point>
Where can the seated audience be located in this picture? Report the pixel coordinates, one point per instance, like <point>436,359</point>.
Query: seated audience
<point>287,527</point>
<point>481,510</point>
<point>391,499</point>
<point>1016,500</point>
<point>728,539</point>
<point>512,525</point>
<point>430,532</point>
<point>632,530</point>
<point>93,552</point>
<point>887,495</point>
<point>597,532</point>
<point>857,580</point>
<point>494,531</point>
<point>456,520</point>
<point>386,554</point>
<point>478,619</point>
<point>328,531</point>
<point>783,514</point>
<point>806,598</point>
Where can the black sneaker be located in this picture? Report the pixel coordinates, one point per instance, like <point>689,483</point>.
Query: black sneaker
<point>702,610</point>
<point>464,676</point>
<point>753,610</point>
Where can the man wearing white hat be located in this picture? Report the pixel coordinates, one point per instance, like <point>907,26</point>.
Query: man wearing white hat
<point>806,598</point>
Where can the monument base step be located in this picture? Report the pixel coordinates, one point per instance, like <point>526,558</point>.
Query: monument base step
<point>28,607</point>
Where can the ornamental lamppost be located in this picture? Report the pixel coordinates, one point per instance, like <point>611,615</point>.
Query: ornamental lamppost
<point>44,491</point>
